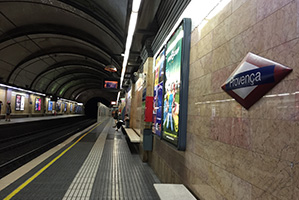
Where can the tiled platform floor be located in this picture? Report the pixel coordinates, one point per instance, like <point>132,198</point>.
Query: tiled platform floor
<point>115,174</point>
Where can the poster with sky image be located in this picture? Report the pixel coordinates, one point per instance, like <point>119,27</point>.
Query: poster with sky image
<point>175,103</point>
<point>158,92</point>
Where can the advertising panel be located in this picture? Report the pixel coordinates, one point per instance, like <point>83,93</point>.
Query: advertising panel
<point>38,103</point>
<point>158,93</point>
<point>65,107</point>
<point>111,84</point>
<point>20,102</point>
<point>50,105</point>
<point>175,104</point>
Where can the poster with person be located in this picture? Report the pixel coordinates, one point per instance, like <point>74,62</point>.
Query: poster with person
<point>158,93</point>
<point>172,87</point>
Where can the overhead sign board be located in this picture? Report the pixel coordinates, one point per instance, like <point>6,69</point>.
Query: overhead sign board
<point>253,78</point>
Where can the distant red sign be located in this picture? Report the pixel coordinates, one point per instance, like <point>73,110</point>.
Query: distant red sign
<point>253,78</point>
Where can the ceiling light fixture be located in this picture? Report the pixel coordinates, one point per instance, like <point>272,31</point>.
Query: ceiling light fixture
<point>22,90</point>
<point>111,67</point>
<point>131,30</point>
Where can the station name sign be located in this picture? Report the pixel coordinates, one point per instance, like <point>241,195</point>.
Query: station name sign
<point>253,78</point>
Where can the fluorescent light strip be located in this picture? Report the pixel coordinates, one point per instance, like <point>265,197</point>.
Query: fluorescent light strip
<point>22,90</point>
<point>131,30</point>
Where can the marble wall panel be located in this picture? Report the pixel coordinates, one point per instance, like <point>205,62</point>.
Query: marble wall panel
<point>265,172</point>
<point>237,4</point>
<point>193,55</point>
<point>274,138</point>
<point>216,20</point>
<point>196,70</point>
<point>277,28</point>
<point>267,7</point>
<point>233,131</point>
<point>204,46</point>
<point>221,33</point>
<point>221,57</point>
<point>203,190</point>
<point>244,43</point>
<point>297,14</point>
<point>199,125</point>
<point>215,152</point>
<point>195,37</point>
<point>225,183</point>
<point>243,18</point>
<point>297,105</point>
<point>259,194</point>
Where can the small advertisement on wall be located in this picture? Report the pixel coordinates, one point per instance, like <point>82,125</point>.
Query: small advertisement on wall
<point>65,107</point>
<point>158,93</point>
<point>38,104</point>
<point>50,105</point>
<point>20,102</point>
<point>175,102</point>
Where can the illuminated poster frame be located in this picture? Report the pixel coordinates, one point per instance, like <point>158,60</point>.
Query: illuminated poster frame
<point>38,103</point>
<point>176,76</point>
<point>50,105</point>
<point>158,92</point>
<point>20,103</point>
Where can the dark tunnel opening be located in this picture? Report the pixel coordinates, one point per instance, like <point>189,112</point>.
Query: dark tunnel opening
<point>91,106</point>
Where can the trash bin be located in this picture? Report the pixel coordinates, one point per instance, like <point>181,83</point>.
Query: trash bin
<point>147,140</point>
<point>127,122</point>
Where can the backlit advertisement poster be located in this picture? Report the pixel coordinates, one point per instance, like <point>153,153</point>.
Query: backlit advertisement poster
<point>22,103</point>
<point>175,100</point>
<point>65,107</point>
<point>38,103</point>
<point>50,105</point>
<point>158,93</point>
<point>71,107</point>
<point>18,102</point>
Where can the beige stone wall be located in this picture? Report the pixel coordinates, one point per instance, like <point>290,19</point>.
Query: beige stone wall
<point>136,114</point>
<point>2,98</point>
<point>233,153</point>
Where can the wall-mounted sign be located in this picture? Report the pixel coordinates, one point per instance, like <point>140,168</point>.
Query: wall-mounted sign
<point>176,82</point>
<point>38,104</point>
<point>50,105</point>
<point>253,78</point>
<point>20,102</point>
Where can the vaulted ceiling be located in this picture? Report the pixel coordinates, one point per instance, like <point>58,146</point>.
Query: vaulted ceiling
<point>62,47</point>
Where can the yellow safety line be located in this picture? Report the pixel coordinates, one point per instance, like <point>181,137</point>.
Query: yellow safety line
<point>16,191</point>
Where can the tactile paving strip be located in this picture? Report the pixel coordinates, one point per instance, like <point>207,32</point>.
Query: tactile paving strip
<point>81,186</point>
<point>122,175</point>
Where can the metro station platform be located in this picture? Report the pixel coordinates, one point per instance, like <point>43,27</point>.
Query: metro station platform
<point>93,164</point>
<point>31,119</point>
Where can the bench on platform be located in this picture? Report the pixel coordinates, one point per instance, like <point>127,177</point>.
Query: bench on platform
<point>133,136</point>
<point>173,192</point>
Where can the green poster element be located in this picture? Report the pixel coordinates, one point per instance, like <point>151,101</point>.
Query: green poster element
<point>172,87</point>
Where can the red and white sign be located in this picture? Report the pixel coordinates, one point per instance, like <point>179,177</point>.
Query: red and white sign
<point>253,78</point>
